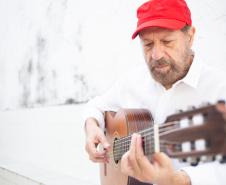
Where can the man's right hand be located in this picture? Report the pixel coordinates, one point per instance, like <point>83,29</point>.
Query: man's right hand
<point>94,136</point>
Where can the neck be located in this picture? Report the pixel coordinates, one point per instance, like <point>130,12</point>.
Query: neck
<point>168,86</point>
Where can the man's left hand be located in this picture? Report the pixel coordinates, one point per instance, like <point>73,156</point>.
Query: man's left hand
<point>135,164</point>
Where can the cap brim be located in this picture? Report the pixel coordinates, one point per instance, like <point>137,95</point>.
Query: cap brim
<point>164,23</point>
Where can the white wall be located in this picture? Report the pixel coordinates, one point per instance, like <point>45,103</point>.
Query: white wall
<point>56,50</point>
<point>50,138</point>
<point>59,50</point>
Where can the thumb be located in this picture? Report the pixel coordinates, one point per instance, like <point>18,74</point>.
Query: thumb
<point>161,158</point>
<point>104,141</point>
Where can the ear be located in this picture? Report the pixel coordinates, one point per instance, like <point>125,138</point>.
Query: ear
<point>191,34</point>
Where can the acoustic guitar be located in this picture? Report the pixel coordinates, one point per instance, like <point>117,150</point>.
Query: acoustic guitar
<point>198,134</point>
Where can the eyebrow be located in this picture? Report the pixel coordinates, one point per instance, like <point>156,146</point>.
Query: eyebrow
<point>148,40</point>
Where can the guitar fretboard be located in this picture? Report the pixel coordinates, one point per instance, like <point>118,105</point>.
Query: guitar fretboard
<point>150,139</point>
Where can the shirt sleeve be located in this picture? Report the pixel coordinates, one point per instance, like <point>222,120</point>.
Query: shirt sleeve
<point>122,94</point>
<point>95,109</point>
<point>109,101</point>
<point>207,174</point>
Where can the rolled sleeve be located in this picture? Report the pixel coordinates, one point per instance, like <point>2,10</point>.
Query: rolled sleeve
<point>94,113</point>
<point>95,109</point>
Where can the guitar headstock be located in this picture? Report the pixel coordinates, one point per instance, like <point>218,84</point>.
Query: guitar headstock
<point>198,134</point>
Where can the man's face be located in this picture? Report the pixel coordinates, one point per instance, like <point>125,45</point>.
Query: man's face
<point>167,53</point>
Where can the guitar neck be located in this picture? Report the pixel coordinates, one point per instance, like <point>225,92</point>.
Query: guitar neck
<point>151,143</point>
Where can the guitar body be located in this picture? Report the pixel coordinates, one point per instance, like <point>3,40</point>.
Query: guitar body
<point>123,123</point>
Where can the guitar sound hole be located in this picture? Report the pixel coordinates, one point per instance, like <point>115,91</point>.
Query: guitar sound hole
<point>116,151</point>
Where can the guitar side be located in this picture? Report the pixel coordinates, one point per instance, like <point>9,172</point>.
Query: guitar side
<point>124,123</point>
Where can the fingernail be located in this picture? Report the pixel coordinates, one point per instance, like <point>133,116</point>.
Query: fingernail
<point>107,145</point>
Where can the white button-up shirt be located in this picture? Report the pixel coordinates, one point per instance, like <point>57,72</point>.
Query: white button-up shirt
<point>137,89</point>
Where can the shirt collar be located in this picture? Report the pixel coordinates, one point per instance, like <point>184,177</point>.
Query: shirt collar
<point>194,73</point>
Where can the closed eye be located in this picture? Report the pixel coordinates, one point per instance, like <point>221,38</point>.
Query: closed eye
<point>149,44</point>
<point>167,41</point>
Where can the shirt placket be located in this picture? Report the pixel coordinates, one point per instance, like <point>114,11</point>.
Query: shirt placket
<point>159,114</point>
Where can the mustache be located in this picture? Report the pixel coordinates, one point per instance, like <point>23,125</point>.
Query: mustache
<point>155,63</point>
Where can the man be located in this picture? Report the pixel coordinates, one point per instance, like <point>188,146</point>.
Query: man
<point>173,79</point>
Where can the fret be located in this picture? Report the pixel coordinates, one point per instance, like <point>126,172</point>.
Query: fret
<point>150,143</point>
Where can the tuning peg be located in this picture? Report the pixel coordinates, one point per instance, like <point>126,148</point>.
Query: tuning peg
<point>193,161</point>
<point>223,159</point>
<point>191,107</point>
<point>177,111</point>
<point>189,159</point>
<point>208,158</point>
<point>203,158</point>
<point>219,157</point>
<point>204,104</point>
<point>182,160</point>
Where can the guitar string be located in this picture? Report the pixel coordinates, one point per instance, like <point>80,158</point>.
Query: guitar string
<point>162,129</point>
<point>147,150</point>
<point>127,139</point>
<point>150,136</point>
<point>147,136</point>
<point>147,143</point>
<point>125,148</point>
<point>149,131</point>
<point>118,156</point>
<point>120,143</point>
<point>147,147</point>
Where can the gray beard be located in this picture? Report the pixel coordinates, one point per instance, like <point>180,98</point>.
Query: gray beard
<point>176,71</point>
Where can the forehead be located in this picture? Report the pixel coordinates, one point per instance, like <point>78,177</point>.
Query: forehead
<point>156,32</point>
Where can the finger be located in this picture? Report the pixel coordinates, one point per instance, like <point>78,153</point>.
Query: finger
<point>132,154</point>
<point>125,165</point>
<point>92,149</point>
<point>161,158</point>
<point>140,151</point>
<point>104,141</point>
<point>93,140</point>
<point>142,160</point>
<point>100,159</point>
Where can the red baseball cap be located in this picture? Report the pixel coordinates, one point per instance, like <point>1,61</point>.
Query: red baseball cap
<point>171,14</point>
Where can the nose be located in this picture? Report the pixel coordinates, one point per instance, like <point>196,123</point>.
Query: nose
<point>157,52</point>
